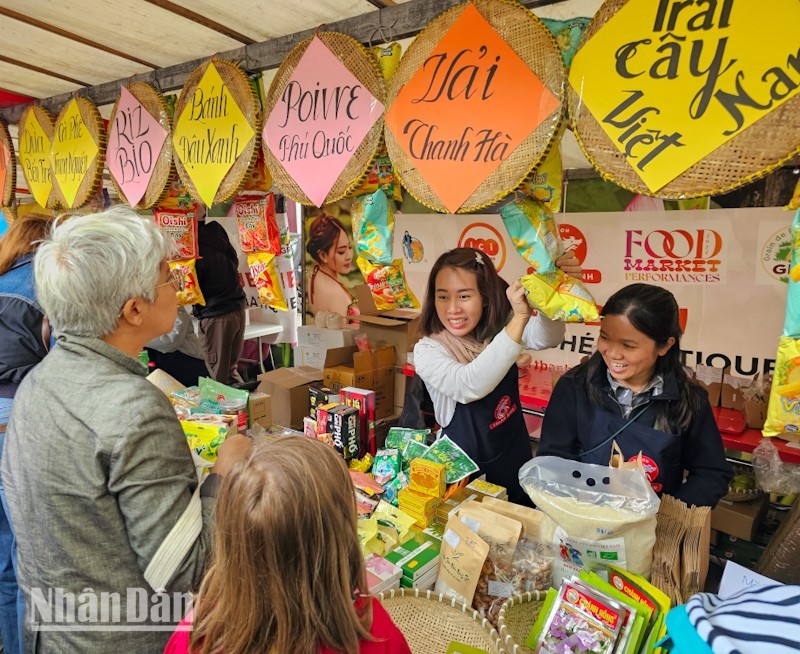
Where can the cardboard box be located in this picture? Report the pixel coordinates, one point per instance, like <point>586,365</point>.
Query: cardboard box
<point>288,388</point>
<point>259,409</point>
<point>399,390</point>
<point>311,357</point>
<point>710,378</point>
<point>731,396</point>
<point>739,519</point>
<point>398,328</point>
<point>756,413</point>
<point>325,339</point>
<point>370,370</point>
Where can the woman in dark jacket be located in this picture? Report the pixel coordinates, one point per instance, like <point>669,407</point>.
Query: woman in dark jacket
<point>635,391</point>
<point>24,341</point>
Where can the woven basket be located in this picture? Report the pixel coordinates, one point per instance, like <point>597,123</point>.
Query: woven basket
<point>516,619</point>
<point>44,119</point>
<point>242,92</point>
<point>535,45</point>
<point>365,69</point>
<point>751,154</point>
<point>94,174</point>
<point>157,106</point>
<point>430,622</point>
<point>9,188</point>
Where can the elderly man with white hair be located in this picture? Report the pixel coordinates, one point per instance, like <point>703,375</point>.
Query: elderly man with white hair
<point>100,482</point>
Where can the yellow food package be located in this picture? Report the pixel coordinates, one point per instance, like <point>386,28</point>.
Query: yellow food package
<point>265,277</point>
<point>381,175</point>
<point>783,411</point>
<point>794,203</point>
<point>546,181</point>
<point>204,438</point>
<point>368,537</point>
<point>388,285</point>
<point>388,57</point>
<point>560,297</point>
<point>191,293</point>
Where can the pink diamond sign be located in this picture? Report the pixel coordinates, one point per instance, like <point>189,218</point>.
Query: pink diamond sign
<point>319,121</point>
<point>135,140</point>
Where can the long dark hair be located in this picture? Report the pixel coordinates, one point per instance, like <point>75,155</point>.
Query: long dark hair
<point>496,307</point>
<point>323,235</point>
<point>22,238</point>
<point>653,311</point>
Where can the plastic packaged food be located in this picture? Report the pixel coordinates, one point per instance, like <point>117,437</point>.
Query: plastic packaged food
<point>534,233</point>
<point>373,227</point>
<point>191,293</point>
<point>784,397</point>
<point>381,176</point>
<point>181,225</point>
<point>560,297</point>
<point>265,277</point>
<point>258,228</point>
<point>388,285</point>
<point>386,466</point>
<point>458,464</point>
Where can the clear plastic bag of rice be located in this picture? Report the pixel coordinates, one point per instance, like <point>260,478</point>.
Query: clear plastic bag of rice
<point>593,515</point>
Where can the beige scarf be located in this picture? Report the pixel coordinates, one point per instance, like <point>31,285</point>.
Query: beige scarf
<point>463,350</point>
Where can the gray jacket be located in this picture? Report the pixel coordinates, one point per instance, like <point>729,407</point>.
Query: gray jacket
<point>97,471</point>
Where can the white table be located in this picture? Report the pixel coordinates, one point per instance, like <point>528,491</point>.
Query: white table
<point>258,330</point>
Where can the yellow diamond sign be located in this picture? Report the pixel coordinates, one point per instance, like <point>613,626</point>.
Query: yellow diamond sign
<point>210,134</point>
<point>669,81</point>
<point>34,158</point>
<point>72,152</point>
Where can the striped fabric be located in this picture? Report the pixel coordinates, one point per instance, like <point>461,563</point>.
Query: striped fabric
<point>763,620</point>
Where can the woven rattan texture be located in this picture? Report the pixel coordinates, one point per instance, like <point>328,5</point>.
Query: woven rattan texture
<point>9,188</point>
<point>516,619</point>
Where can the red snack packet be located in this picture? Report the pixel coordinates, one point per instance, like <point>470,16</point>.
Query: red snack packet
<point>181,225</point>
<point>258,228</point>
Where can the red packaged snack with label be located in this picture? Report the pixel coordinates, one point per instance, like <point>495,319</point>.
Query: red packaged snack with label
<point>258,229</point>
<point>181,225</point>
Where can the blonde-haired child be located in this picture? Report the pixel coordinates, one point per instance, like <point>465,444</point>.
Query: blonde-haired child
<point>287,573</point>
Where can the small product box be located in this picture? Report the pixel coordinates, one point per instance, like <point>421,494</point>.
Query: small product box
<point>428,477</point>
<point>364,401</point>
<point>319,395</point>
<point>416,556</point>
<point>381,574</point>
<point>422,505</point>
<point>345,430</point>
<point>487,488</point>
<point>324,420</point>
<point>425,582</point>
<point>259,409</point>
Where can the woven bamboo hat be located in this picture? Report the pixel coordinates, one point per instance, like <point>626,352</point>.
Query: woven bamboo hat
<point>535,45</point>
<point>9,187</point>
<point>45,120</point>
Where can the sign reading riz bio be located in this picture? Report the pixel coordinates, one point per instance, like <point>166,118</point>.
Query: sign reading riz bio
<point>669,81</point>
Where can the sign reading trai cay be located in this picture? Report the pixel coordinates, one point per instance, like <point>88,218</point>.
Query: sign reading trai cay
<point>670,81</point>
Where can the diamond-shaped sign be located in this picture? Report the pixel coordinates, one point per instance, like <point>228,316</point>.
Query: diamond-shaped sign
<point>669,83</point>
<point>322,117</point>
<point>135,140</point>
<point>210,134</point>
<point>5,160</point>
<point>34,158</point>
<point>467,108</point>
<point>72,152</point>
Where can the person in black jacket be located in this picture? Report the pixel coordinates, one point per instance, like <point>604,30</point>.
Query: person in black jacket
<point>222,319</point>
<point>635,391</point>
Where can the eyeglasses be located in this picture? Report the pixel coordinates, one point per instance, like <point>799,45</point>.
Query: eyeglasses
<point>176,279</point>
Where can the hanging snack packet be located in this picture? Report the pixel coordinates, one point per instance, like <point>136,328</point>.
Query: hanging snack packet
<point>381,176</point>
<point>191,293</point>
<point>388,285</point>
<point>373,226</point>
<point>784,397</point>
<point>399,436</point>
<point>458,464</point>
<point>794,203</point>
<point>388,57</point>
<point>534,233</point>
<point>791,321</point>
<point>181,225</point>
<point>560,297</point>
<point>265,277</point>
<point>544,184</point>
<point>258,228</point>
<point>259,178</point>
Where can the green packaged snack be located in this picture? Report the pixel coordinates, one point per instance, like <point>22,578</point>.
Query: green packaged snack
<point>413,450</point>
<point>458,464</point>
<point>373,226</point>
<point>393,487</point>
<point>211,389</point>
<point>387,465</point>
<point>534,233</point>
<point>399,436</point>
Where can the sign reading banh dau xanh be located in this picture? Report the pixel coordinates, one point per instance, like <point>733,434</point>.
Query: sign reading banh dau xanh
<point>670,81</point>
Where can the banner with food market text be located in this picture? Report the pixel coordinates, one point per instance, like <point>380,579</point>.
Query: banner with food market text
<point>726,267</point>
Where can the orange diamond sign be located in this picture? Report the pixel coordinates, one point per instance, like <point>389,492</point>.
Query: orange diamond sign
<point>467,108</point>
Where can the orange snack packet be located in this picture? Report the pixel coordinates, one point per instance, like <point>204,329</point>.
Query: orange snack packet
<point>258,228</point>
<point>181,225</point>
<point>265,277</point>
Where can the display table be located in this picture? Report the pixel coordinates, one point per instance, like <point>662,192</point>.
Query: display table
<point>534,391</point>
<point>258,330</point>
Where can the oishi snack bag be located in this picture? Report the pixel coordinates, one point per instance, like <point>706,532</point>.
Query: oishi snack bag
<point>534,233</point>
<point>784,397</point>
<point>181,225</point>
<point>259,178</point>
<point>265,277</point>
<point>381,176</point>
<point>373,226</point>
<point>560,297</point>
<point>258,228</point>
<point>191,293</point>
<point>388,285</point>
<point>544,184</point>
<point>388,57</point>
